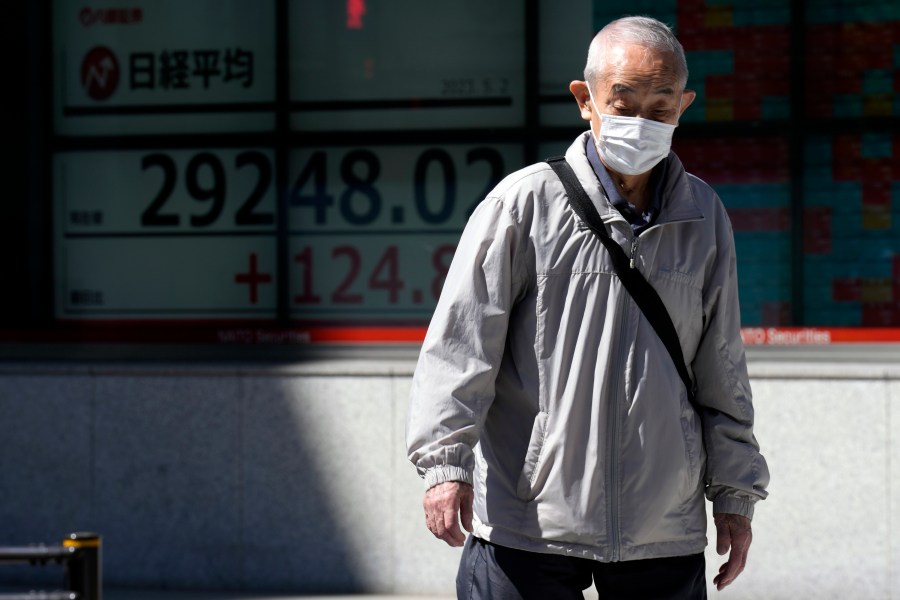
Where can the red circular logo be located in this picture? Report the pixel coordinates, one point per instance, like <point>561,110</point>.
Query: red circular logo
<point>87,16</point>
<point>100,73</point>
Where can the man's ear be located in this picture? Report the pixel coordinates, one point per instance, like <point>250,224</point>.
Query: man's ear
<point>579,89</point>
<point>687,98</point>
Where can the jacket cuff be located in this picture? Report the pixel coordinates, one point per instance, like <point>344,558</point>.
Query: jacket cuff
<point>734,506</point>
<point>444,473</point>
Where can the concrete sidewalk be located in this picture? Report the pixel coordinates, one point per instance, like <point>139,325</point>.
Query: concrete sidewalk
<point>144,594</point>
<point>131,594</point>
<point>114,594</point>
<point>182,595</point>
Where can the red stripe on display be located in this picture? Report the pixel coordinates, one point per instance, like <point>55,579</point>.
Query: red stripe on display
<point>225,333</point>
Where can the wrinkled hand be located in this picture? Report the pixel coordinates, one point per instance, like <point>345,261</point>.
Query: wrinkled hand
<point>445,504</point>
<point>734,532</point>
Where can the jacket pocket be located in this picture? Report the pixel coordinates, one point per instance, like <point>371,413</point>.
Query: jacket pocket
<point>525,487</point>
<point>683,300</point>
<point>693,444</point>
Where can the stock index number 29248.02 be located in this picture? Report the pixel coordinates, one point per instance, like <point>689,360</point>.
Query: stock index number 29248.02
<point>356,187</point>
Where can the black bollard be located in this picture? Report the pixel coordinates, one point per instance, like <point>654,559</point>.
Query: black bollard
<point>84,568</point>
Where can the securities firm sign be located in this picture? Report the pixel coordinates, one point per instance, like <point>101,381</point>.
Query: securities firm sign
<point>818,336</point>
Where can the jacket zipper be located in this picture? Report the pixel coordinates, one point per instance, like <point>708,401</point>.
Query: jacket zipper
<point>614,410</point>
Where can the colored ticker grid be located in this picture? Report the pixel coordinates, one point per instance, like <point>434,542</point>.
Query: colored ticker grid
<point>751,176</point>
<point>852,230</point>
<point>737,52</point>
<point>852,58</point>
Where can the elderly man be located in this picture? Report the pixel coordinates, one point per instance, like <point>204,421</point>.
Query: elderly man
<point>546,413</point>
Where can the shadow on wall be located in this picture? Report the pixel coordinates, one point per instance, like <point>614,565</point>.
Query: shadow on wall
<point>194,482</point>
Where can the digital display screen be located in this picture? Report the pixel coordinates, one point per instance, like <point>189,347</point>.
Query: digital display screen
<point>176,199</point>
<point>407,64</point>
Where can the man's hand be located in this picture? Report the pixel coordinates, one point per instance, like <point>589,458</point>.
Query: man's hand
<point>445,504</point>
<point>733,531</point>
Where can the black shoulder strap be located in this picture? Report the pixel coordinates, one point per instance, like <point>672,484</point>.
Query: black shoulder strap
<point>640,289</point>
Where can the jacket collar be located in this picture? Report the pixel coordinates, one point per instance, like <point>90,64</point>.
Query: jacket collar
<point>678,202</point>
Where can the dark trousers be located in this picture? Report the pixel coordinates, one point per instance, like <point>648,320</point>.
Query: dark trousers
<point>491,572</point>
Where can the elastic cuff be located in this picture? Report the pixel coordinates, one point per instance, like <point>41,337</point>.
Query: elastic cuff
<point>438,475</point>
<point>733,506</point>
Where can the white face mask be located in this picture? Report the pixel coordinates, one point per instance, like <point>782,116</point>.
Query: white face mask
<point>631,145</point>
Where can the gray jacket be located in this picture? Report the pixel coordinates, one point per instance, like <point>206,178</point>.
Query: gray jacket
<point>541,382</point>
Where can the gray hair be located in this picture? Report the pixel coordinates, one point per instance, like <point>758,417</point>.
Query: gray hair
<point>643,31</point>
